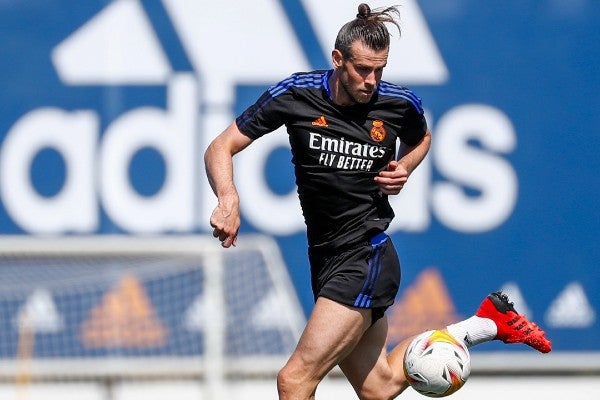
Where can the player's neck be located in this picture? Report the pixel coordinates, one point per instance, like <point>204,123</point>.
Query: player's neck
<point>338,93</point>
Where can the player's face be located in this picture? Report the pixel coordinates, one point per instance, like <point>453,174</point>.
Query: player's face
<point>360,74</point>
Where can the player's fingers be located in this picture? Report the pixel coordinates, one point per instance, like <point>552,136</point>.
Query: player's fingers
<point>390,182</point>
<point>225,229</point>
<point>391,178</point>
<point>218,233</point>
<point>229,241</point>
<point>392,165</point>
<point>391,189</point>
<point>387,174</point>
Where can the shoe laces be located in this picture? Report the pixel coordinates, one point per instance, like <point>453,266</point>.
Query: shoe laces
<point>510,306</point>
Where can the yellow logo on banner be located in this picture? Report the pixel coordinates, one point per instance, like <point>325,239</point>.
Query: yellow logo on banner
<point>124,318</point>
<point>424,305</point>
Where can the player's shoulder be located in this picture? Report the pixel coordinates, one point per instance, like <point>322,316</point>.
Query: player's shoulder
<point>398,93</point>
<point>300,80</point>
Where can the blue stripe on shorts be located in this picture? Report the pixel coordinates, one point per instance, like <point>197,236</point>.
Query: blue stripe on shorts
<point>363,300</point>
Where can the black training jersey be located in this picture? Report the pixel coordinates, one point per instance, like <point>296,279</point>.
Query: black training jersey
<point>337,151</point>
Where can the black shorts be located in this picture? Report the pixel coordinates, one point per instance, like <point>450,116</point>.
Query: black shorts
<point>366,275</point>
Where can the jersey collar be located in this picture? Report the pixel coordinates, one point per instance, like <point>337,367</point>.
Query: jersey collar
<point>326,77</point>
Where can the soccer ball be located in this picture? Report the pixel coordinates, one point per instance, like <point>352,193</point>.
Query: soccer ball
<point>436,364</point>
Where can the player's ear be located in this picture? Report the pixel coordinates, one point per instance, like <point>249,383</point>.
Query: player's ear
<point>337,58</point>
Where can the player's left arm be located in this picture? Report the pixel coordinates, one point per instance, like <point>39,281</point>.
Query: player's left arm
<point>392,180</point>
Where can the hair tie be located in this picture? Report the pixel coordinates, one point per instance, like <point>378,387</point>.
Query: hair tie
<point>364,11</point>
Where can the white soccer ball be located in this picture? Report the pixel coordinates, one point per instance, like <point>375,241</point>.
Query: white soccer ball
<point>436,364</point>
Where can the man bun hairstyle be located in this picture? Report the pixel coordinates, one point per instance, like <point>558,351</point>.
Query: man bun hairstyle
<point>368,27</point>
<point>364,11</point>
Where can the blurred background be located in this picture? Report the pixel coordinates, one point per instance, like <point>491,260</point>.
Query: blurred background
<point>111,286</point>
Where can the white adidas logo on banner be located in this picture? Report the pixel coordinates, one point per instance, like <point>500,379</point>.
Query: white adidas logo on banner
<point>571,309</point>
<point>202,61</point>
<point>117,46</point>
<point>39,314</point>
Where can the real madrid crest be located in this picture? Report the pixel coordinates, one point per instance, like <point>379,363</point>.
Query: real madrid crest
<point>378,131</point>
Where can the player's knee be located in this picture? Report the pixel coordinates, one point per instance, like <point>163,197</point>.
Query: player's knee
<point>291,382</point>
<point>284,382</point>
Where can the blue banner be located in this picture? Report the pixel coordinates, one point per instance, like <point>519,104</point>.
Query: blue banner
<point>106,108</point>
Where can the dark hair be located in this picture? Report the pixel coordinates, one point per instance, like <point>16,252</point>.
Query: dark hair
<point>368,27</point>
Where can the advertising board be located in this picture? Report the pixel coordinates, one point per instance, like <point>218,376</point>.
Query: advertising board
<point>108,106</point>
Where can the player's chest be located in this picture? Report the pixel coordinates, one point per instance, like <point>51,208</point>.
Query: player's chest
<point>364,143</point>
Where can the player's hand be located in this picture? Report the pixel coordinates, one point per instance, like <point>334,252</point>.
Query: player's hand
<point>392,180</point>
<point>225,220</point>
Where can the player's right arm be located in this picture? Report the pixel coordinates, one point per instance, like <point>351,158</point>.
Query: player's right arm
<point>218,161</point>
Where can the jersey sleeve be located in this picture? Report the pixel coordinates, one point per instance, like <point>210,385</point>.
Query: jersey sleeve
<point>268,113</point>
<point>409,113</point>
<point>414,126</point>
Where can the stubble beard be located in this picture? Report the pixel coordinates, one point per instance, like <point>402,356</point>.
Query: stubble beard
<point>353,96</point>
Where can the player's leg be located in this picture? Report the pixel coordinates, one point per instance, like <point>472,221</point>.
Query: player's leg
<point>346,284</point>
<point>377,376</point>
<point>497,319</point>
<point>373,373</point>
<point>331,333</point>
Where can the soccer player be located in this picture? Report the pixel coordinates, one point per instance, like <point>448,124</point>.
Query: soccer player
<point>343,126</point>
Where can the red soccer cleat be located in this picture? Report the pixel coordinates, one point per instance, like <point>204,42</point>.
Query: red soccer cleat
<point>512,327</point>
